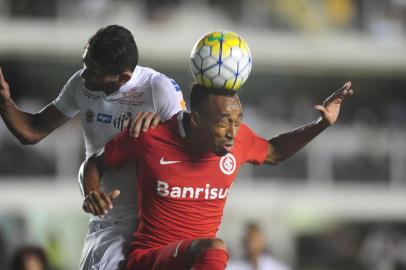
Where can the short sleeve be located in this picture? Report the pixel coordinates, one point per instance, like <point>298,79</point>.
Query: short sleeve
<point>166,96</point>
<point>66,102</point>
<point>121,149</point>
<point>255,147</point>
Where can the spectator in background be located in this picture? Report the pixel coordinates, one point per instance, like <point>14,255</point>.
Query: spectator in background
<point>256,256</point>
<point>159,10</point>
<point>384,248</point>
<point>33,8</point>
<point>233,9</point>
<point>29,258</point>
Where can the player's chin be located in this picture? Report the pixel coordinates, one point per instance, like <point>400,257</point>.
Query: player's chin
<point>89,86</point>
<point>222,150</point>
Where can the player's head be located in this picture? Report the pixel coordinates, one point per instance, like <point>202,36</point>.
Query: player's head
<point>216,115</point>
<point>110,57</point>
<point>29,258</point>
<point>254,242</point>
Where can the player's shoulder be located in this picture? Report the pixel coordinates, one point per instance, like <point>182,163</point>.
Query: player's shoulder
<point>74,82</point>
<point>245,133</point>
<point>144,71</point>
<point>148,76</point>
<point>76,76</point>
<point>244,128</point>
<point>170,126</point>
<point>156,76</point>
<point>164,130</point>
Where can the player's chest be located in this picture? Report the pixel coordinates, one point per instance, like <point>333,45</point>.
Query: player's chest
<point>97,111</point>
<point>183,170</point>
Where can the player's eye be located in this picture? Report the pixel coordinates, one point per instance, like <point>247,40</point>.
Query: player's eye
<point>223,123</point>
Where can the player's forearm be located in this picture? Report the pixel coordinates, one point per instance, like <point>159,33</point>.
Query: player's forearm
<point>21,124</point>
<point>287,144</point>
<point>92,173</point>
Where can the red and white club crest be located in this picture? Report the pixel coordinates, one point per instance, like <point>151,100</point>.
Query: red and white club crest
<point>227,164</point>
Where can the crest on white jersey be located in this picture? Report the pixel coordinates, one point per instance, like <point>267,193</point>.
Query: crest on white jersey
<point>122,121</point>
<point>89,116</point>
<point>228,164</point>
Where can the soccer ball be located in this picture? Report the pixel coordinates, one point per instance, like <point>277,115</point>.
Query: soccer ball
<point>221,59</point>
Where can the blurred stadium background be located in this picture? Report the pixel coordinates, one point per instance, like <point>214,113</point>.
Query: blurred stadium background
<point>339,204</point>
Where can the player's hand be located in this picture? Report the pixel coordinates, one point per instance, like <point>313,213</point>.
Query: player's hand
<point>99,203</point>
<point>331,105</point>
<point>4,89</point>
<point>143,121</point>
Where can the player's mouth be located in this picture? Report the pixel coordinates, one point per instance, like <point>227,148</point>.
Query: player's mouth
<point>228,147</point>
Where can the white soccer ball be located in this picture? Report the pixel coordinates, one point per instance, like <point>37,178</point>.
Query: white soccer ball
<point>221,59</point>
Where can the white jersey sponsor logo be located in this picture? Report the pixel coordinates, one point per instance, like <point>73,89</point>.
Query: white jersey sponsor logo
<point>227,164</point>
<point>104,118</point>
<point>122,120</point>
<point>208,193</point>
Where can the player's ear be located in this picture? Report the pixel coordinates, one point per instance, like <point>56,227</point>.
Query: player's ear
<point>124,77</point>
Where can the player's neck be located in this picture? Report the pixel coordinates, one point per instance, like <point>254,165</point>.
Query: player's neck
<point>194,138</point>
<point>186,124</point>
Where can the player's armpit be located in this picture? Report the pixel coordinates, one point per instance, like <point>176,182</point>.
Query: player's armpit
<point>271,157</point>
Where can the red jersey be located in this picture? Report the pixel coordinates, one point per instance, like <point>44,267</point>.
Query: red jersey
<point>180,195</point>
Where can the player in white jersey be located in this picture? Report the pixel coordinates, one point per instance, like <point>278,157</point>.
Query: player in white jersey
<point>109,90</point>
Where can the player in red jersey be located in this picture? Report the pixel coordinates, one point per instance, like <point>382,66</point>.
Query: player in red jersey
<point>185,169</point>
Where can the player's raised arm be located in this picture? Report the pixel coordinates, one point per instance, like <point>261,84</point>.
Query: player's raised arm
<point>26,127</point>
<point>96,201</point>
<point>286,144</point>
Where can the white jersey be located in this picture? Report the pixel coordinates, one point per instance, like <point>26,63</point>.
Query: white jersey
<point>104,116</point>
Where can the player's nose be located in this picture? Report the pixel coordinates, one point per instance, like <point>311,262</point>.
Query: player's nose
<point>231,132</point>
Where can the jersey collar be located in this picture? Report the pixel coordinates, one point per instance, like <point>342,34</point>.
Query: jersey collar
<point>181,127</point>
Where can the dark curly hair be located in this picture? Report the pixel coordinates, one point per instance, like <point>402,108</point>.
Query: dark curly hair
<point>114,48</point>
<point>199,94</point>
<point>21,255</point>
